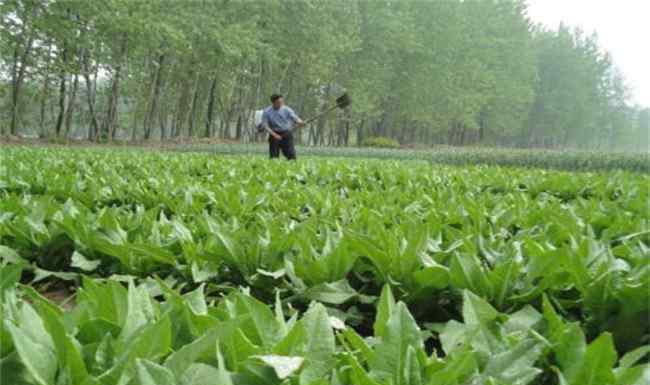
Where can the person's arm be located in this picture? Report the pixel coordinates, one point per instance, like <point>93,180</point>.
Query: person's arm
<point>299,122</point>
<point>267,127</point>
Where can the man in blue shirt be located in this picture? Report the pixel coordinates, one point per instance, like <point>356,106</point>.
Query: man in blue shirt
<point>278,120</point>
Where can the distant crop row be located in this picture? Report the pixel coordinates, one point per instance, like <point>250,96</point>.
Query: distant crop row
<point>570,160</point>
<point>533,274</point>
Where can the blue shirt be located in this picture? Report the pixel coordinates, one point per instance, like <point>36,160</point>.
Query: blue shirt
<point>280,120</point>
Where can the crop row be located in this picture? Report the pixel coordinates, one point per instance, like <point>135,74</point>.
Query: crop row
<point>116,335</point>
<point>332,233</point>
<point>570,160</point>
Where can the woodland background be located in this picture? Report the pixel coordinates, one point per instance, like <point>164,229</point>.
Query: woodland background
<point>421,72</point>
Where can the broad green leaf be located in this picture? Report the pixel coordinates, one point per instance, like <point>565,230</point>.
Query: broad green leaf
<point>599,359</point>
<point>284,366</point>
<point>436,277</point>
<point>319,343</point>
<point>635,375</point>
<point>68,350</point>
<point>9,255</point>
<point>523,320</point>
<point>334,293</point>
<point>9,277</point>
<point>476,310</point>
<point>36,354</point>
<point>390,356</point>
<point>465,272</point>
<point>140,311</point>
<point>358,375</point>
<point>81,262</point>
<point>515,366</point>
<point>200,374</point>
<point>384,310</point>
<point>634,356</point>
<point>180,360</point>
<point>150,373</point>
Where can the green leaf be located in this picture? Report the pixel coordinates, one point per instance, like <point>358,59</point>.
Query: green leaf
<point>436,277</point>
<point>401,332</point>
<point>319,345</point>
<point>150,373</point>
<point>7,254</point>
<point>466,273</point>
<point>180,360</point>
<point>358,375</point>
<point>599,360</point>
<point>202,374</point>
<point>81,262</point>
<point>67,348</point>
<point>9,277</point>
<point>631,358</point>
<point>635,375</point>
<point>523,320</point>
<point>476,310</point>
<point>515,366</point>
<point>140,311</point>
<point>384,310</point>
<point>284,366</point>
<point>34,346</point>
<point>334,293</point>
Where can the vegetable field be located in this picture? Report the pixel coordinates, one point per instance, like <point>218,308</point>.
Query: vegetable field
<point>192,268</point>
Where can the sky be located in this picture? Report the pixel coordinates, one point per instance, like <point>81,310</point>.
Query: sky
<point>623,28</point>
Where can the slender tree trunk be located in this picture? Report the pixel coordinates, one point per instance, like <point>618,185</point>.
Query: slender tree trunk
<point>181,108</point>
<point>155,99</point>
<point>360,132</point>
<point>163,124</point>
<point>62,91</point>
<point>192,116</point>
<point>210,113</point>
<point>71,101</point>
<point>110,120</point>
<point>45,93</point>
<point>481,125</point>
<point>90,98</point>
<point>18,75</point>
<point>346,133</point>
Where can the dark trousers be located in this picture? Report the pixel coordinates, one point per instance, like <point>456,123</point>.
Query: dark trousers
<point>285,144</point>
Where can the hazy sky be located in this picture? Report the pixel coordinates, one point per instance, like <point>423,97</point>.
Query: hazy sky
<point>623,27</point>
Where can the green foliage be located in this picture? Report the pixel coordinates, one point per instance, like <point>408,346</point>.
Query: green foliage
<point>515,276</point>
<point>180,346</point>
<point>466,156</point>
<point>380,142</point>
<point>420,72</point>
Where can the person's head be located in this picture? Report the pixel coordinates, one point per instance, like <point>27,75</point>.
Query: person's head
<point>277,101</point>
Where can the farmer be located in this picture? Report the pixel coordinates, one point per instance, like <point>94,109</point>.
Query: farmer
<point>278,120</point>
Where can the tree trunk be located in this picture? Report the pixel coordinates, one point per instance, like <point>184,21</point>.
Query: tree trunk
<point>110,120</point>
<point>18,75</point>
<point>71,102</point>
<point>45,93</point>
<point>163,124</point>
<point>62,91</point>
<point>210,113</point>
<point>155,98</point>
<point>360,132</point>
<point>481,125</point>
<point>192,117</point>
<point>181,108</point>
<point>90,91</point>
<point>346,133</point>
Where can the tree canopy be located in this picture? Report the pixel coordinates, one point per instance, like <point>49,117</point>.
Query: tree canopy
<point>426,72</point>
